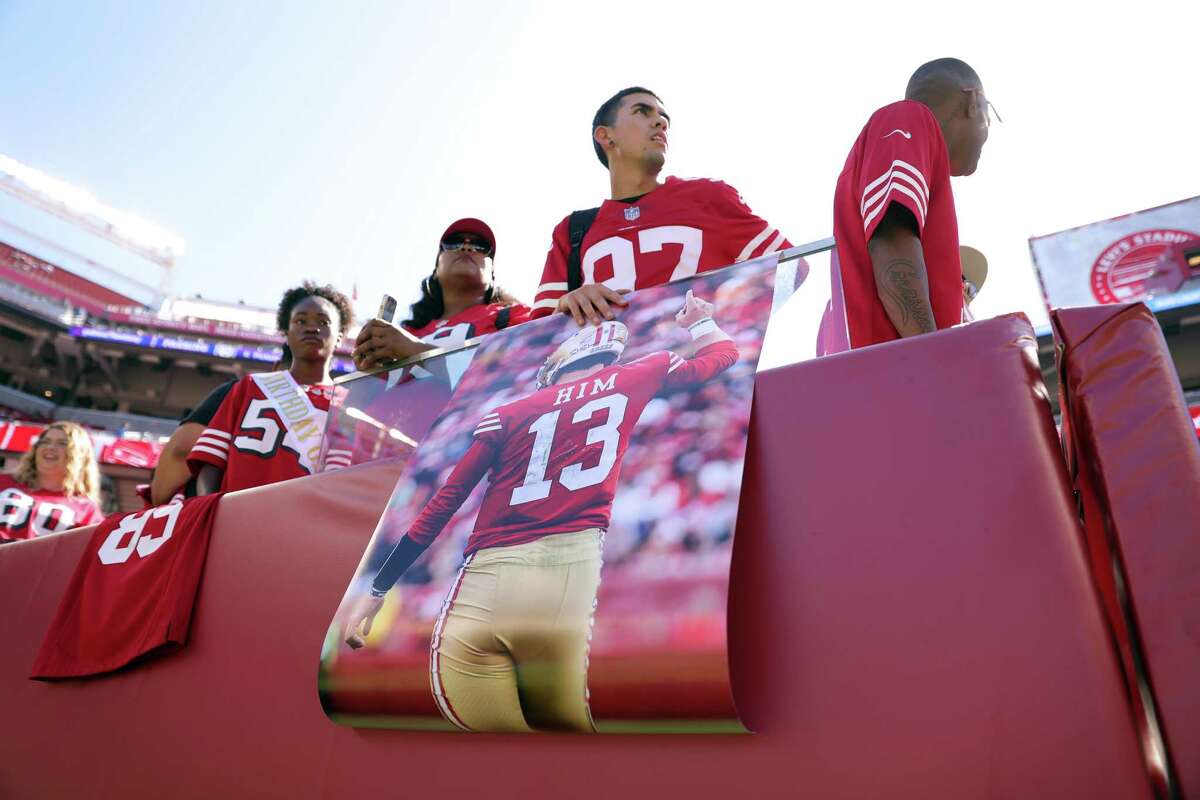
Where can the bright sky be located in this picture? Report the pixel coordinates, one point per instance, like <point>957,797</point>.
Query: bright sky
<point>285,141</point>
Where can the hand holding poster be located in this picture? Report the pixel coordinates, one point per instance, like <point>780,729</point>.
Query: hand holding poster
<point>556,556</point>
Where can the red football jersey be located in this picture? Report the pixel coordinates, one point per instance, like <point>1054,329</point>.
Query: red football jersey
<point>899,157</point>
<point>412,408</point>
<point>268,429</point>
<point>555,455</point>
<point>474,321</point>
<point>681,228</point>
<point>26,513</point>
<point>132,591</point>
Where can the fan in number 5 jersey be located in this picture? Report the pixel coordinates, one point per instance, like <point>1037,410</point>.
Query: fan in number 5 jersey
<point>509,651</point>
<point>649,232</point>
<point>269,426</point>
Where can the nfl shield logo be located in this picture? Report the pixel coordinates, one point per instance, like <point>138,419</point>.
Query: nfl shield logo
<point>632,213</point>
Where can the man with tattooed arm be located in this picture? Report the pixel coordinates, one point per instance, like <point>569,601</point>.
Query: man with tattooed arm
<point>896,268</point>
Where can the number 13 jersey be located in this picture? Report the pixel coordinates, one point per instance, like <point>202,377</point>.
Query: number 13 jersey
<point>554,456</point>
<point>681,228</point>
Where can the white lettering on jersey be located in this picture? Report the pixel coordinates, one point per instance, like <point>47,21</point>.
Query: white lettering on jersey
<point>650,240</point>
<point>15,507</point>
<point>43,523</point>
<point>579,391</point>
<point>145,543</point>
<point>573,476</point>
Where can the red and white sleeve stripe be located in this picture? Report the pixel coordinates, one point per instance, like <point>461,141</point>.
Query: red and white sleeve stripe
<point>767,241</point>
<point>548,294</point>
<point>900,177</point>
<point>489,423</point>
<point>214,443</point>
<point>337,459</point>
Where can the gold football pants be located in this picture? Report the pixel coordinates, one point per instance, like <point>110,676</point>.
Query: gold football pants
<point>510,648</point>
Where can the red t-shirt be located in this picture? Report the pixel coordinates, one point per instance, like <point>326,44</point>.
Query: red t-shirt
<point>268,429</point>
<point>26,513</point>
<point>900,157</point>
<point>554,456</point>
<point>132,592</point>
<point>469,323</point>
<point>681,228</point>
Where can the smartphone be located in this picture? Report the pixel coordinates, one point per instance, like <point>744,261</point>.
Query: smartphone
<point>387,308</point>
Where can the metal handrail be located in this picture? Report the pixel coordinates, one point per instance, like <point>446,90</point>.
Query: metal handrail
<point>799,251</point>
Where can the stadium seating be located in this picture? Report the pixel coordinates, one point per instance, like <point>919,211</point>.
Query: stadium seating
<point>57,283</point>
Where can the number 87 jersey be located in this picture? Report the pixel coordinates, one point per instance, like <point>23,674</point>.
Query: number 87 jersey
<point>554,456</point>
<point>683,227</point>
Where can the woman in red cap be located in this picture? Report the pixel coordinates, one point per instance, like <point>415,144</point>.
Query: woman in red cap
<point>459,301</point>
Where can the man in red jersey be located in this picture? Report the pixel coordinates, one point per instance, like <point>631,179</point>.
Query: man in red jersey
<point>896,270</point>
<point>651,231</point>
<point>509,650</point>
<point>269,427</point>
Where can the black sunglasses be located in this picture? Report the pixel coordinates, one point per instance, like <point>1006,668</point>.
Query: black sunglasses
<point>460,244</point>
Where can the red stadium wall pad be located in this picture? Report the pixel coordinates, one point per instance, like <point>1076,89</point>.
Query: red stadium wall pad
<point>911,617</point>
<point>918,613</point>
<point>1136,464</point>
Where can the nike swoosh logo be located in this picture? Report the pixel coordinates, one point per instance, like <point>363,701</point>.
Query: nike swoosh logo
<point>905,134</point>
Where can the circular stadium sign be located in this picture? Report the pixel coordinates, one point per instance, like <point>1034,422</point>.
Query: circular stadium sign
<point>1119,273</point>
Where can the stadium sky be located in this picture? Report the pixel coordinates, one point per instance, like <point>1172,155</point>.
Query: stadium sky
<point>335,141</point>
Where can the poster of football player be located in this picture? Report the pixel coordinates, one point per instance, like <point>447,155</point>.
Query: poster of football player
<point>556,555</point>
<point>386,413</point>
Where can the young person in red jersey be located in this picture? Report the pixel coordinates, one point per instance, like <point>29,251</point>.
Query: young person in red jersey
<point>459,300</point>
<point>55,487</point>
<point>269,427</point>
<point>896,269</point>
<point>509,651</point>
<point>650,231</point>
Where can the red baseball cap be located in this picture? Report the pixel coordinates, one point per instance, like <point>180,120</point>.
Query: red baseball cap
<point>471,225</point>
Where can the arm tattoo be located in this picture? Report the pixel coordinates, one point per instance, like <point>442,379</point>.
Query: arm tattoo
<point>901,287</point>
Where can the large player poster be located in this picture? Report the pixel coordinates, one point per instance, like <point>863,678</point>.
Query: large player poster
<point>556,555</point>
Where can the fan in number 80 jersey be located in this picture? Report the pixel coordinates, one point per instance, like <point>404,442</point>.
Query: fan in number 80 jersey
<point>26,513</point>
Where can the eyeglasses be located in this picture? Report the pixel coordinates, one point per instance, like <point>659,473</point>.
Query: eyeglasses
<point>988,108</point>
<point>61,445</point>
<point>476,247</point>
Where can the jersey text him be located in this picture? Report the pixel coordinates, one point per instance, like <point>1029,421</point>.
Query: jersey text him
<point>580,390</point>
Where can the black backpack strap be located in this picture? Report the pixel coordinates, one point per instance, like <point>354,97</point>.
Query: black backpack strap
<point>502,318</point>
<point>577,227</point>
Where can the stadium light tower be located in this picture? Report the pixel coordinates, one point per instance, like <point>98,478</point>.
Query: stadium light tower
<point>83,210</point>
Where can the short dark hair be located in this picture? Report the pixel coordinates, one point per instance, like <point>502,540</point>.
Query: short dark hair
<point>291,297</point>
<point>935,81</point>
<point>607,115</point>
